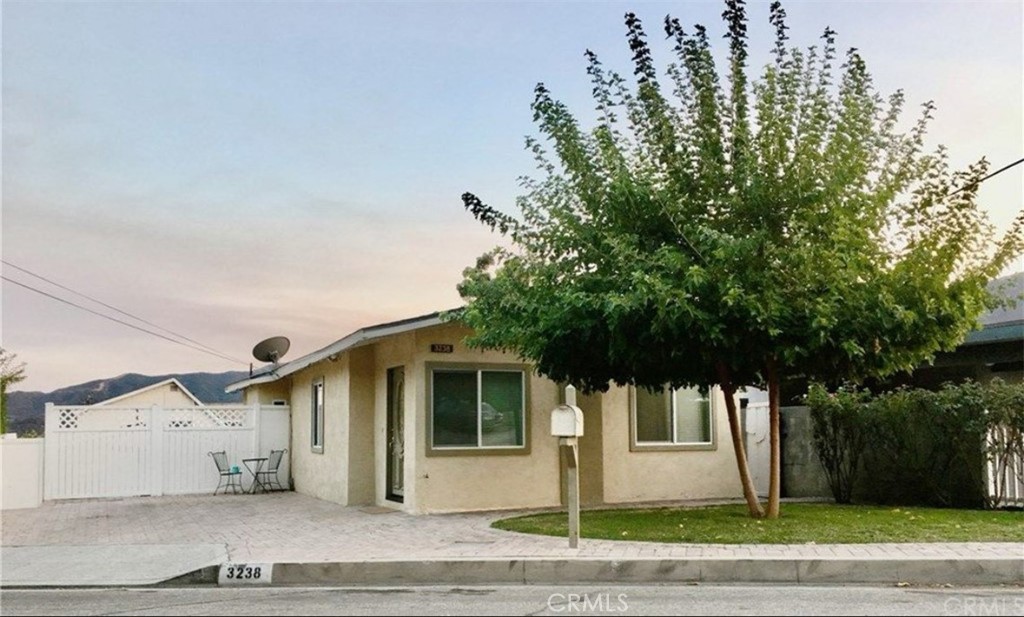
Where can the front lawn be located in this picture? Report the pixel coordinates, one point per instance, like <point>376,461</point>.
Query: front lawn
<point>800,524</point>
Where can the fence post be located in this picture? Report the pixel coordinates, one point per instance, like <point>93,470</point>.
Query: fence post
<point>156,450</point>
<point>50,462</point>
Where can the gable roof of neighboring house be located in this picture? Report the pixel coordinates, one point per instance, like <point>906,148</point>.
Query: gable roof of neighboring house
<point>363,336</point>
<point>154,386</point>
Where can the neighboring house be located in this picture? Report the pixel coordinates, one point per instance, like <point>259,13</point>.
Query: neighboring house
<point>131,409</point>
<point>403,414</point>
<point>994,350</point>
<point>166,393</point>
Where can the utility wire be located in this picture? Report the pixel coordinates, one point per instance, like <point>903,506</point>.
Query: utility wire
<point>991,175</point>
<point>125,323</point>
<point>114,308</point>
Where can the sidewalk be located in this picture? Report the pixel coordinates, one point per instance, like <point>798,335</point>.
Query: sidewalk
<point>317,542</point>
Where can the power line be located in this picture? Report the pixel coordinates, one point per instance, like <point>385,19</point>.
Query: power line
<point>991,175</point>
<point>114,308</point>
<point>125,323</point>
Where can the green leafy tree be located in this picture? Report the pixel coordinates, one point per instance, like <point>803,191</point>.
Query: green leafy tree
<point>11,372</point>
<point>734,234</point>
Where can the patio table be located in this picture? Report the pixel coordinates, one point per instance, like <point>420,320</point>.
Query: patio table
<point>254,465</point>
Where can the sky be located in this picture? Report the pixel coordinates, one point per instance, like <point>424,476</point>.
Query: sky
<point>233,171</point>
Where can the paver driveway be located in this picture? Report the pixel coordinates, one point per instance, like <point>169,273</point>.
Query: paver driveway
<point>289,527</point>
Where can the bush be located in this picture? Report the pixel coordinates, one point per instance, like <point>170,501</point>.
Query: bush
<point>918,447</point>
<point>837,422</point>
<point>926,448</point>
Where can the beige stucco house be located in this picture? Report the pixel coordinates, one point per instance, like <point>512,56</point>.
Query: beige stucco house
<point>404,415</point>
<point>166,393</point>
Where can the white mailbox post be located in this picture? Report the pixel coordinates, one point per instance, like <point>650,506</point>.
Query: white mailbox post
<point>567,425</point>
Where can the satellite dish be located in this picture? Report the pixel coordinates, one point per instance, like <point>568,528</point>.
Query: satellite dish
<point>271,349</point>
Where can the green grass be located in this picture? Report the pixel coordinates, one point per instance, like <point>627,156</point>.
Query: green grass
<point>799,524</point>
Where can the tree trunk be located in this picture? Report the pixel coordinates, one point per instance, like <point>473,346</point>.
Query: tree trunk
<point>775,471</point>
<point>749,493</point>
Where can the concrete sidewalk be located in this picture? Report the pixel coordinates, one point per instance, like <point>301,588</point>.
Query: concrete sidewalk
<point>316,542</point>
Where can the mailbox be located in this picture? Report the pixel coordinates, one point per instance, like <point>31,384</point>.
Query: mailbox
<point>567,421</point>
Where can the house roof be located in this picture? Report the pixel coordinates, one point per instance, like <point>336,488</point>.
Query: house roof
<point>154,386</point>
<point>1005,323</point>
<point>363,336</point>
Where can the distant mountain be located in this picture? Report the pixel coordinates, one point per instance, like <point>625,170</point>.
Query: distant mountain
<point>25,410</point>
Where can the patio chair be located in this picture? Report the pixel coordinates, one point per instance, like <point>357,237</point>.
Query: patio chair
<point>268,477</point>
<point>229,477</point>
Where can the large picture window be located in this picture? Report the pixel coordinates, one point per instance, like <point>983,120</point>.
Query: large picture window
<point>681,417</point>
<point>477,408</point>
<point>316,417</point>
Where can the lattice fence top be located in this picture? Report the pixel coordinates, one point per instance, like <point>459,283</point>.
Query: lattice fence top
<point>68,418</point>
<point>101,418</point>
<point>208,417</point>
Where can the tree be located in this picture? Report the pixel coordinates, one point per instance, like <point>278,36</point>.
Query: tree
<point>737,234</point>
<point>11,372</point>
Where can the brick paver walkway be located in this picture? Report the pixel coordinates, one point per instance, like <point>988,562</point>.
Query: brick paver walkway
<point>288,527</point>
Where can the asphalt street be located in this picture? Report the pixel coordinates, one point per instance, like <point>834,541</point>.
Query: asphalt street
<point>521,600</point>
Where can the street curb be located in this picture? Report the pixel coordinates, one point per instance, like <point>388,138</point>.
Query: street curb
<point>202,576</point>
<point>539,571</point>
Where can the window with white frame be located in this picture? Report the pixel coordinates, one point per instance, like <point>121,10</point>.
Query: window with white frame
<point>672,417</point>
<point>477,408</point>
<point>316,416</point>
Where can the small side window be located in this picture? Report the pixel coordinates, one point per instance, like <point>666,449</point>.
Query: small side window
<point>316,417</point>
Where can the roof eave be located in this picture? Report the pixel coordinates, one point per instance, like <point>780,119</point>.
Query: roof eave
<point>363,336</point>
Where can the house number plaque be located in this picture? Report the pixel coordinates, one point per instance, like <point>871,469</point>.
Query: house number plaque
<point>441,348</point>
<point>245,574</point>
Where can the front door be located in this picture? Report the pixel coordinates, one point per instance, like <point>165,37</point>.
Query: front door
<point>396,434</point>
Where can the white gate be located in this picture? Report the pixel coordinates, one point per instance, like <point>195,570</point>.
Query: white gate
<point>127,451</point>
<point>758,445</point>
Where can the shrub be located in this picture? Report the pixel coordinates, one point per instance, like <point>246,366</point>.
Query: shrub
<point>918,447</point>
<point>837,422</point>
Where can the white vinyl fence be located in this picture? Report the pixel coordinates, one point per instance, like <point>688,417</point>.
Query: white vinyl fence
<point>21,468</point>
<point>128,451</point>
<point>1005,468</point>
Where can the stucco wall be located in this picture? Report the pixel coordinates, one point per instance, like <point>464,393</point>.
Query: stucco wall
<point>802,474</point>
<point>446,483</point>
<point>353,467</point>
<point>390,353</point>
<point>591,451</point>
<point>321,475</point>
<point>163,396</point>
<point>361,419</point>
<point>267,393</point>
<point>665,475</point>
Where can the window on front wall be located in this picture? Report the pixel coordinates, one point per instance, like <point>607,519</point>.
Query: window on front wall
<point>316,417</point>
<point>672,417</point>
<point>477,408</point>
